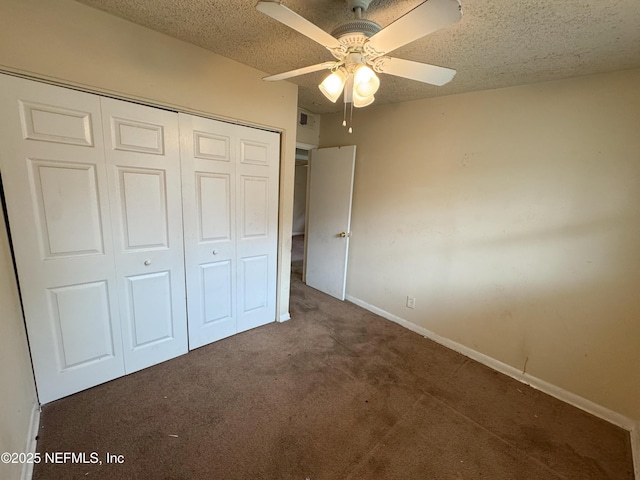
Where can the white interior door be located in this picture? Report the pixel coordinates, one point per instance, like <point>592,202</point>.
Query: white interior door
<point>143,170</point>
<point>54,176</point>
<point>331,173</point>
<point>208,173</point>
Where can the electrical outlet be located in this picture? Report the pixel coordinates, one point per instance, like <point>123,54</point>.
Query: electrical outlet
<point>411,302</point>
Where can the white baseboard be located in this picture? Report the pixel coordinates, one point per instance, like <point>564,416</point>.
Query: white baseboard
<point>31,442</point>
<point>546,387</point>
<point>284,317</point>
<point>635,449</point>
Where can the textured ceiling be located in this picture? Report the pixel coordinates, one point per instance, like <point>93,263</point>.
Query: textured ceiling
<point>497,43</point>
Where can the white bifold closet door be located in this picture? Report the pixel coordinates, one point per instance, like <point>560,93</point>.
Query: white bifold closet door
<point>230,198</point>
<point>55,182</point>
<point>143,173</point>
<point>120,215</point>
<point>94,207</point>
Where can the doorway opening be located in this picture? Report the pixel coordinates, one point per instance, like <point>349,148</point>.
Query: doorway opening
<point>299,211</point>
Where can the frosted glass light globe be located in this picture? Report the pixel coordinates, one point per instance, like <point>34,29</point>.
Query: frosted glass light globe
<point>366,82</point>
<point>333,85</point>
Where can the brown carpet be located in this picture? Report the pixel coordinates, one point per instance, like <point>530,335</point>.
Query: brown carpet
<point>335,393</point>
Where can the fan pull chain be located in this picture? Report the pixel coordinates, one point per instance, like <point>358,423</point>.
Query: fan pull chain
<point>344,115</point>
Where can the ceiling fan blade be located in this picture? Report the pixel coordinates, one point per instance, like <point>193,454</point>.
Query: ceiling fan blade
<point>426,18</point>
<point>421,72</point>
<point>291,19</point>
<point>299,71</point>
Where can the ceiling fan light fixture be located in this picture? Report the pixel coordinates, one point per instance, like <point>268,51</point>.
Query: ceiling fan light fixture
<point>332,86</point>
<point>366,82</point>
<point>360,102</point>
<point>358,43</point>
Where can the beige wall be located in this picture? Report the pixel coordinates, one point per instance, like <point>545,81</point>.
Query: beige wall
<point>74,44</point>
<point>17,390</point>
<point>513,217</point>
<point>309,134</point>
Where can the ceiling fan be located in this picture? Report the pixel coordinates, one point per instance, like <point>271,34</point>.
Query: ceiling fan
<point>360,48</point>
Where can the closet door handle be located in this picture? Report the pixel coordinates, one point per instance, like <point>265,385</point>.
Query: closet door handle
<point>215,252</point>
<point>147,262</point>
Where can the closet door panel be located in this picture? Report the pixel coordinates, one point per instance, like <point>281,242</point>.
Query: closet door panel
<point>213,191</point>
<point>254,282</point>
<point>150,313</point>
<point>66,199</point>
<point>217,278</point>
<point>254,207</point>
<point>54,177</point>
<point>143,165</point>
<point>257,202</point>
<point>79,311</point>
<point>208,189</point>
<point>144,214</point>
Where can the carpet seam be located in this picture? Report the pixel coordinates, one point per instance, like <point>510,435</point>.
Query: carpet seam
<point>424,394</point>
<point>376,446</point>
<point>495,435</point>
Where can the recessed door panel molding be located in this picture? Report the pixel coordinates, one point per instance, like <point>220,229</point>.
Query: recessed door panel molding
<point>50,123</point>
<point>254,153</point>
<point>54,178</point>
<point>254,281</point>
<point>254,206</point>
<point>143,172</point>
<point>68,208</point>
<point>217,305</point>
<point>214,206</point>
<point>149,302</point>
<point>78,312</point>
<point>255,291</point>
<point>144,208</point>
<point>210,146</point>
<point>230,206</point>
<point>133,136</point>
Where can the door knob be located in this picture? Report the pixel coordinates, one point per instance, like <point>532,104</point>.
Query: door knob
<point>344,234</point>
<point>147,262</point>
<point>215,252</point>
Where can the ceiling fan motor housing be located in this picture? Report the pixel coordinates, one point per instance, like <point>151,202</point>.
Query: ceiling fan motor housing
<point>362,26</point>
<point>358,26</point>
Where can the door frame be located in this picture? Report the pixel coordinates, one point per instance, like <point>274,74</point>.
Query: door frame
<point>308,147</point>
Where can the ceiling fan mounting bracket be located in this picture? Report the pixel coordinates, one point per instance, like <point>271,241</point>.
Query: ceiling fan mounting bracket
<point>361,4</point>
